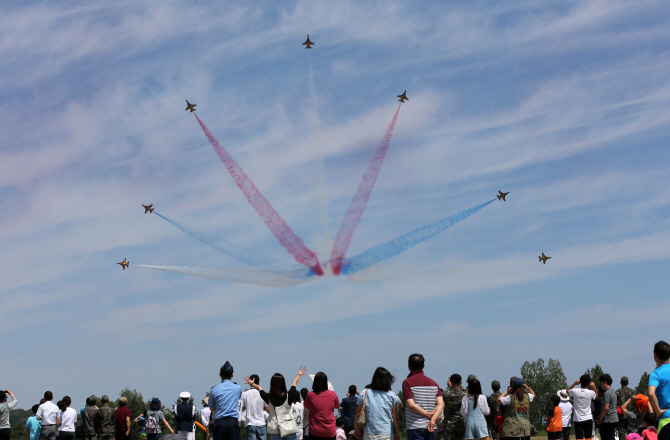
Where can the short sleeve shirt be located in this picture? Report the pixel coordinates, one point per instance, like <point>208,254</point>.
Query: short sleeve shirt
<point>48,412</point>
<point>610,397</point>
<point>321,408</point>
<point>583,398</point>
<point>224,399</point>
<point>121,413</point>
<point>378,411</point>
<point>424,391</point>
<point>660,378</point>
<point>35,427</point>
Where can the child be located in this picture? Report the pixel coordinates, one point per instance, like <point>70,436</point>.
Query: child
<point>339,432</point>
<point>33,426</point>
<point>499,420</point>
<point>555,420</point>
<point>649,422</point>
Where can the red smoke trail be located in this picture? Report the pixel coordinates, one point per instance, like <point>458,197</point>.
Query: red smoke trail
<point>277,225</point>
<point>358,204</point>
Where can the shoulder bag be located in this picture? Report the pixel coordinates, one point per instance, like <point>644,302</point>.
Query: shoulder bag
<point>286,423</point>
<point>362,420</point>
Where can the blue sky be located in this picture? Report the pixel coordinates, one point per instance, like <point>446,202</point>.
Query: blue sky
<point>565,105</point>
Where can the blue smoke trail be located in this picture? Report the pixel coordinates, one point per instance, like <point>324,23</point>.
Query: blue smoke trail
<point>394,247</point>
<point>244,255</point>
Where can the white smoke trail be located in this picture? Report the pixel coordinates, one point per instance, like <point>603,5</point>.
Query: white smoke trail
<point>258,277</point>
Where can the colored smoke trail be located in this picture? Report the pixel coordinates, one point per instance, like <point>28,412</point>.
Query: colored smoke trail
<point>394,247</point>
<point>320,188</point>
<point>244,255</point>
<point>287,238</point>
<point>360,201</point>
<point>246,276</point>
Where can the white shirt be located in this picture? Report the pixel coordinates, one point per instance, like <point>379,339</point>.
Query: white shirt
<point>583,398</point>
<point>566,412</point>
<point>482,404</point>
<point>49,412</point>
<point>508,399</point>
<point>68,419</point>
<point>205,415</point>
<point>298,413</point>
<point>253,407</point>
<point>175,413</point>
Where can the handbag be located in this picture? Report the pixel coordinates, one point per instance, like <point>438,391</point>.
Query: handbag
<point>362,420</point>
<point>286,425</point>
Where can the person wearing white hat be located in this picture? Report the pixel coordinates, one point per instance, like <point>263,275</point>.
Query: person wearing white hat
<point>566,412</point>
<point>185,417</point>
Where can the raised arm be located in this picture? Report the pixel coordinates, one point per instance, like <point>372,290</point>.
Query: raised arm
<point>301,373</point>
<point>252,384</point>
<point>530,391</point>
<point>624,407</point>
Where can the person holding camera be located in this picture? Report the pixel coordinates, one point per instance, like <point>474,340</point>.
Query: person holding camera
<point>5,427</point>
<point>517,400</point>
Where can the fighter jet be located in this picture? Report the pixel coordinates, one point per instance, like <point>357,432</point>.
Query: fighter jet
<point>501,195</point>
<point>124,264</point>
<point>544,258</point>
<point>308,43</point>
<point>403,97</point>
<point>190,106</point>
<point>148,208</point>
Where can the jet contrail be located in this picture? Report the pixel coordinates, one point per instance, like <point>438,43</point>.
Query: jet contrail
<point>358,204</point>
<point>291,242</point>
<point>246,276</point>
<point>394,247</point>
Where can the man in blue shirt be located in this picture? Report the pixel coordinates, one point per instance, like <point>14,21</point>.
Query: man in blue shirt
<point>223,399</point>
<point>33,426</point>
<point>659,388</point>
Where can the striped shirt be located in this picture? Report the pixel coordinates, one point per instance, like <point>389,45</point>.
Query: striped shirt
<point>424,391</point>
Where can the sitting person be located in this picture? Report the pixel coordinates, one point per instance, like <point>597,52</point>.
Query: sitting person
<point>649,432</point>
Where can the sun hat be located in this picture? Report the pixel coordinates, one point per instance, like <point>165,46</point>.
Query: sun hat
<point>563,394</point>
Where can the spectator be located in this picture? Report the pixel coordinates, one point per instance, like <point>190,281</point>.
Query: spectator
<point>517,399</point>
<point>622,395</point>
<point>305,419</point>
<point>254,408</point>
<point>380,405</point>
<point>223,400</point>
<point>88,416</point>
<point>608,418</point>
<point>473,408</point>
<point>339,429</point>
<point>48,414</point>
<point>424,401</point>
<point>206,413</point>
<point>566,413</point>
<point>649,432</point>
<point>122,417</point>
<point>491,402</point>
<point>153,419</point>
<point>454,423</point>
<point>33,426</point>
<point>348,406</point>
<point>67,420</point>
<point>555,420</point>
<point>634,418</point>
<point>659,388</point>
<point>105,420</point>
<point>5,408</point>
<point>298,413</point>
<point>583,396</point>
<point>320,405</point>
<point>500,420</point>
<point>185,417</point>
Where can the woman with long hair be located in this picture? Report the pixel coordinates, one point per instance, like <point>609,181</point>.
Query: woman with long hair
<point>67,420</point>
<point>320,406</point>
<point>380,405</point>
<point>473,408</point>
<point>517,400</point>
<point>279,400</point>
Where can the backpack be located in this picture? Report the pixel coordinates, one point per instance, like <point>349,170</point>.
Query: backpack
<point>151,423</point>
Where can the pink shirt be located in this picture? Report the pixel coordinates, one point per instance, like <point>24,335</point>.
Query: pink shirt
<point>340,435</point>
<point>650,434</point>
<point>321,413</point>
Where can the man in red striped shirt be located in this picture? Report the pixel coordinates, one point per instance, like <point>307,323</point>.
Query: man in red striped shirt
<point>424,401</point>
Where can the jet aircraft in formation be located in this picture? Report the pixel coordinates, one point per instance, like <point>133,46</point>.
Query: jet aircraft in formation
<point>544,258</point>
<point>403,96</point>
<point>308,43</point>
<point>501,195</point>
<point>148,208</point>
<point>124,264</point>
<point>190,106</point>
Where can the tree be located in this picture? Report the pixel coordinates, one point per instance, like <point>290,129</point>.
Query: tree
<point>595,373</point>
<point>136,406</point>
<point>643,386</point>
<point>545,381</point>
<point>401,413</point>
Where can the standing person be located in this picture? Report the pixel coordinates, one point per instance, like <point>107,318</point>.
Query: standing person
<point>566,413</point>
<point>608,418</point>
<point>223,401</point>
<point>185,417</point>
<point>583,396</point>
<point>659,388</point>
<point>254,408</point>
<point>320,406</point>
<point>380,405</point>
<point>88,415</point>
<point>67,420</point>
<point>205,413</point>
<point>305,419</point>
<point>635,417</point>
<point>279,402</point>
<point>454,423</point>
<point>122,417</point>
<point>622,395</point>
<point>474,408</point>
<point>516,399</point>
<point>491,402</point>
<point>33,426</point>
<point>48,414</point>
<point>105,420</point>
<point>555,420</point>
<point>153,419</point>
<point>5,408</point>
<point>424,401</point>
<point>298,410</point>
<point>348,406</point>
